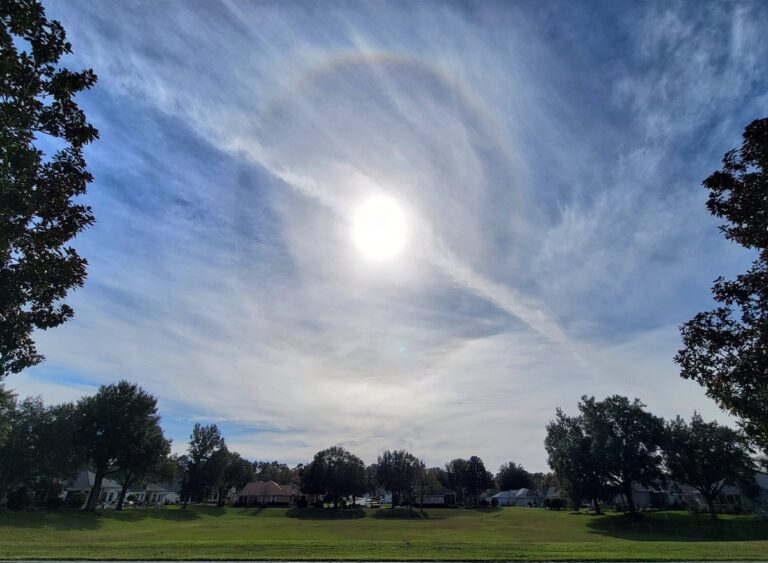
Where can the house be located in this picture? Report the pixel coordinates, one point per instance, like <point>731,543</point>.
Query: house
<point>267,492</point>
<point>730,495</point>
<point>438,496</point>
<point>488,495</point>
<point>645,497</point>
<point>519,497</point>
<point>553,492</point>
<point>528,497</point>
<point>83,482</point>
<point>229,498</point>
<point>153,493</point>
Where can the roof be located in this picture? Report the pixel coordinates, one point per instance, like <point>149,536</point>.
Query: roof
<point>268,488</point>
<point>154,487</point>
<point>517,493</point>
<point>552,492</point>
<point>85,479</point>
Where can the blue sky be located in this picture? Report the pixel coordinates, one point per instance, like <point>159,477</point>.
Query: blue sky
<point>547,157</point>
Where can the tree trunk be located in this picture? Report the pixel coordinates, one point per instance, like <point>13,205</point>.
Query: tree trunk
<point>121,498</point>
<point>630,500</point>
<point>711,505</point>
<point>596,506</point>
<point>93,495</point>
<point>222,497</point>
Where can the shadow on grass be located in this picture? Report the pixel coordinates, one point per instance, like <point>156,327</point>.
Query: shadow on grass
<point>168,514</point>
<point>325,513</point>
<point>399,513</point>
<point>77,520</point>
<point>58,520</point>
<point>679,527</point>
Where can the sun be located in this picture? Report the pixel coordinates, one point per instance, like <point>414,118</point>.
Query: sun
<point>379,228</point>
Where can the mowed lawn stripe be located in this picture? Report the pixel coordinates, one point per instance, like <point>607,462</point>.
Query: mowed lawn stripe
<point>275,533</point>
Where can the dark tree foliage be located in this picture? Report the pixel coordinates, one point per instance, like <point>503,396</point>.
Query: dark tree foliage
<point>398,472</point>
<point>726,349</point>
<point>146,457</point>
<point>578,471</point>
<point>232,471</point>
<point>203,464</point>
<point>274,471</point>
<point>468,477</point>
<point>334,472</point>
<point>38,210</point>
<point>371,482</point>
<point>475,480</point>
<point>708,457</point>
<point>512,476</point>
<point>39,450</point>
<point>110,425</point>
<point>626,440</point>
<point>454,475</point>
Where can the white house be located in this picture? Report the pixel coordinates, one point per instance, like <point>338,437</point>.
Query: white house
<point>519,497</point>
<point>110,490</point>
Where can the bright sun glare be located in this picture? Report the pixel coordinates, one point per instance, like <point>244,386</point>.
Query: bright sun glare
<point>379,228</point>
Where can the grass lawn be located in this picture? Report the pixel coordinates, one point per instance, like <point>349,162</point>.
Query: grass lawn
<point>278,533</point>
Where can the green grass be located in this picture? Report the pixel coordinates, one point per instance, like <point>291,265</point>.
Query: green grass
<point>278,533</point>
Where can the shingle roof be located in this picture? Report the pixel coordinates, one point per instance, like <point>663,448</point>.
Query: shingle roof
<point>267,488</point>
<point>85,479</point>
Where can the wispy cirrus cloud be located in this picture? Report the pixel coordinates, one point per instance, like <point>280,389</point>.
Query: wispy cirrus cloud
<point>548,167</point>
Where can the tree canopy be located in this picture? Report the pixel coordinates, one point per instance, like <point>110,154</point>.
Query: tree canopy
<point>708,456</point>
<point>111,426</point>
<point>39,214</point>
<point>40,449</point>
<point>626,440</point>
<point>726,349</point>
<point>569,451</point>
<point>336,473</point>
<point>204,466</point>
<point>513,476</point>
<point>398,471</point>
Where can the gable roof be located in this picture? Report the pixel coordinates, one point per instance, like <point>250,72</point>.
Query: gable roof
<point>268,488</point>
<point>85,479</point>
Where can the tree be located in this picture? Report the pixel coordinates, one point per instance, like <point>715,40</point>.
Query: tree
<point>234,471</point>
<point>38,212</point>
<point>726,349</point>
<point>274,471</point>
<point>148,455</point>
<point>475,479</point>
<point>626,440</point>
<point>468,477</point>
<point>707,457</point>
<point>454,475</point>
<point>336,473</point>
<point>110,425</point>
<point>569,451</point>
<point>397,471</point>
<point>39,451</point>
<point>204,467</point>
<point>512,476</point>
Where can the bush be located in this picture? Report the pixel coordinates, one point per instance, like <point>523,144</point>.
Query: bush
<point>302,502</point>
<point>494,502</point>
<point>484,503</point>
<point>53,502</point>
<point>19,499</point>
<point>75,501</point>
<point>554,503</point>
<point>317,504</point>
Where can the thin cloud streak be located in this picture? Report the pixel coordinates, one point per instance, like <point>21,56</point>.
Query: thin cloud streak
<point>557,234</point>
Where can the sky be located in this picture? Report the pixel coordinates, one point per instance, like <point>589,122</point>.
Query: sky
<point>546,159</point>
